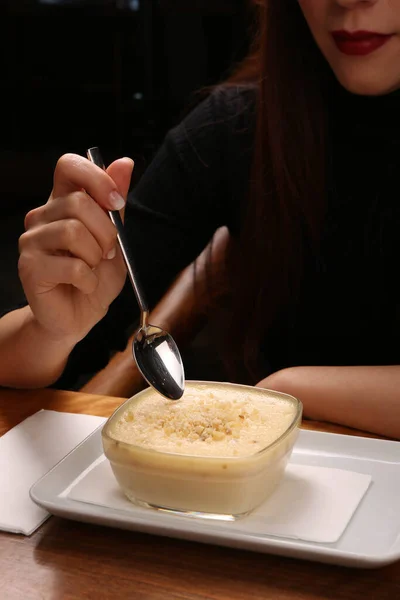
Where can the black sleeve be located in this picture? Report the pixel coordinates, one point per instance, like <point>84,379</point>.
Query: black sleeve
<point>193,186</point>
<point>183,197</point>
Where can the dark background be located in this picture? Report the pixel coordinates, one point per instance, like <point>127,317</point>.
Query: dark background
<point>110,73</point>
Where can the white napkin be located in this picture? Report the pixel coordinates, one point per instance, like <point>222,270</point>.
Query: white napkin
<point>29,451</point>
<point>312,503</point>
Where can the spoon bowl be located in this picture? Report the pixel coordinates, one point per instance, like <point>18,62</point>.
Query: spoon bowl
<point>158,359</point>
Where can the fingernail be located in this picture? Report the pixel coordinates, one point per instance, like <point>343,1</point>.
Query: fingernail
<point>111,254</point>
<point>130,159</point>
<point>116,201</point>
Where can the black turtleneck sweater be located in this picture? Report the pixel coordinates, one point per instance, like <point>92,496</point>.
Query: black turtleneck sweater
<point>349,314</point>
<point>349,311</point>
<point>356,300</point>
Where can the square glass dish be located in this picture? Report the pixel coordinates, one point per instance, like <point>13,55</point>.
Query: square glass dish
<point>218,452</point>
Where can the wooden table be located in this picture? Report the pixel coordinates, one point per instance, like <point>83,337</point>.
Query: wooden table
<point>67,560</point>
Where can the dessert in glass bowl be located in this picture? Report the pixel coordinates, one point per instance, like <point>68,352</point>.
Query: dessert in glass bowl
<point>217,452</point>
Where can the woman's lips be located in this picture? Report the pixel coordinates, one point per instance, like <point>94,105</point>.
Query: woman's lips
<point>359,43</point>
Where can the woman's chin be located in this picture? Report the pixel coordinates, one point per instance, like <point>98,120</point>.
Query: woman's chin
<point>367,86</point>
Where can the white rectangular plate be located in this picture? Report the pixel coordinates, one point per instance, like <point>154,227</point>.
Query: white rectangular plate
<point>372,538</point>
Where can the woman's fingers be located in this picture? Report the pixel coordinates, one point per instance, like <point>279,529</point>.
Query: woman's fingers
<point>45,272</point>
<point>78,206</point>
<point>68,235</point>
<point>74,172</point>
<point>120,171</point>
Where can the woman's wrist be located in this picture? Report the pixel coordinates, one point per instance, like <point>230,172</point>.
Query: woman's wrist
<point>45,338</point>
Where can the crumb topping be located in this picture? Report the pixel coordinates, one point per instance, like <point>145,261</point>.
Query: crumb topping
<point>205,423</point>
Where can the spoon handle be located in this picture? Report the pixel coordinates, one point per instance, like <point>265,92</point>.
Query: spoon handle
<point>95,157</point>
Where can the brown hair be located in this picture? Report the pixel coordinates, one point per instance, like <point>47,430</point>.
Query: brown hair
<point>281,219</point>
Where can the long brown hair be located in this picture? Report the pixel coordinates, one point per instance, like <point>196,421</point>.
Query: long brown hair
<point>282,216</point>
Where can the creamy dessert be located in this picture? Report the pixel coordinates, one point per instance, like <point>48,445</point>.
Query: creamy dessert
<point>221,449</point>
<point>205,422</point>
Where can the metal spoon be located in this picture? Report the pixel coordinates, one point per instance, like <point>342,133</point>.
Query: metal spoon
<point>155,351</point>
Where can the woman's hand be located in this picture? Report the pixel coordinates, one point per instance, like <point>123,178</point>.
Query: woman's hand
<point>70,267</point>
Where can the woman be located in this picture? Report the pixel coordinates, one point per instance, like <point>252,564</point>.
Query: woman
<point>310,120</point>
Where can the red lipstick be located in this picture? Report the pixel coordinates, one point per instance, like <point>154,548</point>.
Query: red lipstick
<point>359,43</point>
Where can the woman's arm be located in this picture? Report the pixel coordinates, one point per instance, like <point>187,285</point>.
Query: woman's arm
<point>363,397</point>
<point>30,357</point>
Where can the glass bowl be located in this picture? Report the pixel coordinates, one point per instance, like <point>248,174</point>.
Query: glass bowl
<point>218,452</point>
